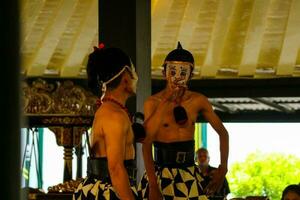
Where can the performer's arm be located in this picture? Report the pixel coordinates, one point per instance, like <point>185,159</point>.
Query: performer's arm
<point>218,126</point>
<point>116,129</point>
<point>153,110</point>
<point>151,124</point>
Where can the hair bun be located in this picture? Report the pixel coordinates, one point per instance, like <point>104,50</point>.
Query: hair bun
<point>105,63</point>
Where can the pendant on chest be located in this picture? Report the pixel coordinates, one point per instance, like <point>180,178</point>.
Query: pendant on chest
<point>180,115</point>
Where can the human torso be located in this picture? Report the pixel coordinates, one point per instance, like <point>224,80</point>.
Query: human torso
<point>98,135</point>
<point>169,130</point>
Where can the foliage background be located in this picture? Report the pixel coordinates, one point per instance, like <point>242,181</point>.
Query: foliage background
<point>264,175</point>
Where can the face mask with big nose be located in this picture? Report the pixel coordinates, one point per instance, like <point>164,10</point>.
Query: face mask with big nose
<point>178,73</point>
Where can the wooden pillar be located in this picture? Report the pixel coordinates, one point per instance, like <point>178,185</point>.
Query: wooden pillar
<point>127,25</point>
<point>143,63</point>
<point>10,100</point>
<point>117,25</point>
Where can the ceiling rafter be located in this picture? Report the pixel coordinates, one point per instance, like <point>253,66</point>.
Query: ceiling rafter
<point>29,13</point>
<point>254,37</point>
<point>228,38</point>
<point>192,11</point>
<point>42,24</point>
<point>69,36</point>
<point>167,39</point>
<point>291,42</point>
<point>73,63</point>
<point>50,41</point>
<point>216,44</point>
<point>273,38</point>
<point>235,37</point>
<point>160,11</point>
<point>202,32</point>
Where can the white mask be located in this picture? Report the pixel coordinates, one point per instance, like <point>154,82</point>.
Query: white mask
<point>134,77</point>
<point>178,72</point>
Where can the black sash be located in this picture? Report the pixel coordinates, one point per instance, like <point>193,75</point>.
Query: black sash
<point>175,154</point>
<point>98,168</point>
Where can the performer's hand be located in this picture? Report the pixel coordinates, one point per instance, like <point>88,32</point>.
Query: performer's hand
<point>217,181</point>
<point>175,93</point>
<point>155,194</point>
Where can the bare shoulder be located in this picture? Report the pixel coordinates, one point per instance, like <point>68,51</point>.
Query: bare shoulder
<point>152,103</point>
<point>154,99</point>
<point>196,96</point>
<point>199,100</point>
<point>108,115</point>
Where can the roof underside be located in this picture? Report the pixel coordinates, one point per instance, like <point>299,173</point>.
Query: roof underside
<point>253,42</point>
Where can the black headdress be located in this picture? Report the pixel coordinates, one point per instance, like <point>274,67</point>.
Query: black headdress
<point>180,54</point>
<point>104,65</point>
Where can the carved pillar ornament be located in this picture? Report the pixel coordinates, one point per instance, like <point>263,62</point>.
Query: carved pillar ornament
<point>65,108</point>
<point>59,98</point>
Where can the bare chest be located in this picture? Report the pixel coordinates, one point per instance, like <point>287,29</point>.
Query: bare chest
<point>170,131</point>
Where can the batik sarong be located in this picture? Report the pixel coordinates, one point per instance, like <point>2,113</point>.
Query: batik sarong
<point>178,177</point>
<point>93,189</point>
<point>97,185</point>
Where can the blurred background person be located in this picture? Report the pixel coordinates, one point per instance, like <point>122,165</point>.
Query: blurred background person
<point>207,173</point>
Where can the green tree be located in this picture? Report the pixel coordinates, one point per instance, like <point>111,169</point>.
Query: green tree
<point>264,175</point>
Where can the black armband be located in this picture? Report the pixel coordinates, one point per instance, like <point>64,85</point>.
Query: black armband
<point>138,128</point>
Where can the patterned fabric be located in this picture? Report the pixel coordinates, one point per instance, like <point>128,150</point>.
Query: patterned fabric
<point>93,189</point>
<point>175,184</point>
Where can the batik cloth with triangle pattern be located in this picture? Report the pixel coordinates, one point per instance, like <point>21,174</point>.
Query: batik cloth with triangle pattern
<point>93,189</point>
<point>175,184</point>
<point>178,176</point>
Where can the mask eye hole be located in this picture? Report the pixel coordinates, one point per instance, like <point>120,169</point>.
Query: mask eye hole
<point>183,73</point>
<point>172,72</point>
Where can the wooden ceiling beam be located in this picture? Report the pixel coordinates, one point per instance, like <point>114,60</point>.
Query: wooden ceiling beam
<point>168,36</point>
<point>189,22</point>
<point>74,62</point>
<point>291,43</point>
<point>216,44</point>
<point>50,41</point>
<point>235,38</point>
<point>202,32</point>
<point>160,12</point>
<point>68,38</point>
<point>30,11</point>
<point>277,18</point>
<point>279,87</point>
<point>34,39</point>
<point>254,38</point>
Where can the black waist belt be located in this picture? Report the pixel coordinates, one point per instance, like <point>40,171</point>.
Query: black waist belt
<point>98,168</point>
<point>172,156</point>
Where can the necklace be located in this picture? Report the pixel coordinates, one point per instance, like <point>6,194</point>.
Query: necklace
<point>105,99</point>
